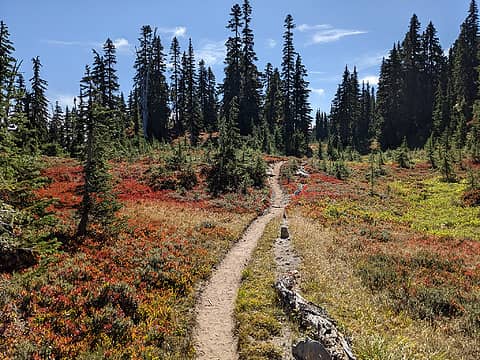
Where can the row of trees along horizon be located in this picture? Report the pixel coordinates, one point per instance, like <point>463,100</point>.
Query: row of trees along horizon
<point>424,98</point>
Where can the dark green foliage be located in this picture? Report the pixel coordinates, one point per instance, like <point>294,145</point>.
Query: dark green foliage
<point>232,80</point>
<point>288,72</point>
<point>234,169</point>
<point>151,84</point>
<point>402,157</point>
<point>99,203</point>
<point>351,114</point>
<point>192,106</point>
<point>339,169</point>
<point>8,73</point>
<point>249,100</point>
<point>446,162</point>
<point>302,110</point>
<point>175,60</point>
<point>430,150</point>
<point>38,117</point>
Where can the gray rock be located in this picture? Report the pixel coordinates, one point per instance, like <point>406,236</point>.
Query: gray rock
<point>310,350</point>
<point>284,232</point>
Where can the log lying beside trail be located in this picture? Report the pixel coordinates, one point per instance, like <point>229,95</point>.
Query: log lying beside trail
<point>314,317</point>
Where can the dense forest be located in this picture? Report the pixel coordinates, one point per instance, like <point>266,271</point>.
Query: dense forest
<point>424,95</point>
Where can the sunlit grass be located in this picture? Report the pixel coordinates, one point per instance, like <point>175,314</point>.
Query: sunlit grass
<point>257,312</point>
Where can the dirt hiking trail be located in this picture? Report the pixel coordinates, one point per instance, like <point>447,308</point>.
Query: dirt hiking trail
<point>214,333</point>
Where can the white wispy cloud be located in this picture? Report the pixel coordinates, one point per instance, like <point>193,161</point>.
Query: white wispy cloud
<point>319,92</point>
<point>306,27</point>
<point>71,43</point>
<point>371,79</point>
<point>325,33</point>
<point>122,45</point>
<point>212,52</point>
<point>177,31</point>
<point>314,72</point>
<point>271,43</point>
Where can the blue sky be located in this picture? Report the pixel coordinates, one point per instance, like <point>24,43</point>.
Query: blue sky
<point>329,35</point>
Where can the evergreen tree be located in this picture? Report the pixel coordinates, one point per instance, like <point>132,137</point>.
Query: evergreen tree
<point>202,91</point>
<point>318,125</point>
<point>465,62</point>
<point>391,121</point>
<point>412,65</point>
<point>210,113</point>
<point>142,75</point>
<point>99,203</point>
<point>346,112</point>
<point>433,75</point>
<point>272,109</point>
<point>39,104</point>
<point>249,112</point>
<point>232,81</point>
<point>288,72</point>
<point>192,108</point>
<point>224,175</point>
<point>8,72</point>
<point>182,94</point>
<point>159,111</point>
<point>175,60</point>
<point>362,133</point>
<point>207,97</point>
<point>302,109</point>
<point>56,125</point>
<point>111,78</point>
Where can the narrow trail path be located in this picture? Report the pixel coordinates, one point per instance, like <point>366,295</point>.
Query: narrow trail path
<point>214,334</point>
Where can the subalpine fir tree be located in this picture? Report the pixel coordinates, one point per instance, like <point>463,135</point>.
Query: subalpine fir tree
<point>302,109</point>
<point>38,116</point>
<point>211,111</point>
<point>224,174</point>
<point>465,64</point>
<point>56,126</point>
<point>142,75</point>
<point>159,111</point>
<point>99,203</point>
<point>192,108</point>
<point>288,73</point>
<point>272,108</point>
<point>346,112</point>
<point>111,77</point>
<point>232,81</point>
<point>207,97</point>
<point>249,115</point>
<point>67,131</point>
<point>176,70</point>
<point>202,91</point>
<point>433,76</point>
<point>391,120</point>
<point>401,155</point>
<point>182,94</point>
<point>8,73</point>
<point>362,127</point>
<point>412,65</point>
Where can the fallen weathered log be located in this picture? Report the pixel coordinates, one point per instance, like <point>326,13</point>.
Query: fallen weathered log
<point>314,317</point>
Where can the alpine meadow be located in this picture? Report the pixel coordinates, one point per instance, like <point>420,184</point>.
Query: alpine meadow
<point>290,181</point>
